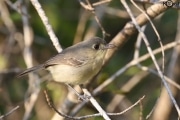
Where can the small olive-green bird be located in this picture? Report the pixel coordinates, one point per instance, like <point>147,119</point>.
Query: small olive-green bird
<point>76,64</point>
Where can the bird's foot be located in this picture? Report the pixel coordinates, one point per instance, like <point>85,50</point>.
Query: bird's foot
<point>84,97</point>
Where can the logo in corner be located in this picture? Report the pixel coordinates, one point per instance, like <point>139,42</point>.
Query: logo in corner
<point>170,3</point>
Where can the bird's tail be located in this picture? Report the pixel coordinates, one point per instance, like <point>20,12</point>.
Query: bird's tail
<point>35,68</point>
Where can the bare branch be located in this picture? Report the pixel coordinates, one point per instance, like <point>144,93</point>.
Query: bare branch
<point>10,112</point>
<point>152,56</point>
<point>45,21</point>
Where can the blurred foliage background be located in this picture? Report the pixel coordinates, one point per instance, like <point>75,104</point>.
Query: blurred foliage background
<point>64,16</point>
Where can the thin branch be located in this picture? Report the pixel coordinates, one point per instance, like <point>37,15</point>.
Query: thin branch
<point>136,56</point>
<point>34,81</point>
<point>48,27</point>
<point>90,7</point>
<point>87,7</point>
<point>129,108</point>
<point>51,105</point>
<point>155,30</point>
<point>164,105</point>
<point>10,112</point>
<point>129,29</point>
<point>100,2</point>
<point>93,4</point>
<point>152,56</point>
<point>15,6</point>
<point>96,105</point>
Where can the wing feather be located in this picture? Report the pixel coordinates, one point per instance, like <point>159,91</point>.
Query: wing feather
<point>64,60</point>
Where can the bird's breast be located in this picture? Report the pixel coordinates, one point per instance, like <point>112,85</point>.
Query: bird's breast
<point>74,75</point>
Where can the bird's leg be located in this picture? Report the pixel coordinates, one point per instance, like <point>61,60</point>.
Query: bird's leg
<point>83,97</point>
<point>87,97</point>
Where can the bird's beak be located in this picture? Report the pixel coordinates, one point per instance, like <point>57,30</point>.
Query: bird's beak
<point>109,46</point>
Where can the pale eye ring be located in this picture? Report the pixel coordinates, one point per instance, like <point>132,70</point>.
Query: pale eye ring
<point>96,46</point>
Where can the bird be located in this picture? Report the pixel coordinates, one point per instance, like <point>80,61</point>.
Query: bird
<point>76,64</point>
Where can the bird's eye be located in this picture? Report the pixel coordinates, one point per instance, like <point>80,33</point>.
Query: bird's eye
<point>96,46</point>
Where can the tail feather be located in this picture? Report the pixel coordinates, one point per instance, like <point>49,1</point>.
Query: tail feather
<point>35,68</point>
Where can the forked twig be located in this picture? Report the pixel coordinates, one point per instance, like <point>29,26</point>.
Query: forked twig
<point>50,103</point>
<point>152,56</point>
<point>91,8</point>
<point>156,32</point>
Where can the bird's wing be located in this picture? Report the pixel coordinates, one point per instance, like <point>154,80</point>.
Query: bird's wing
<point>60,59</point>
